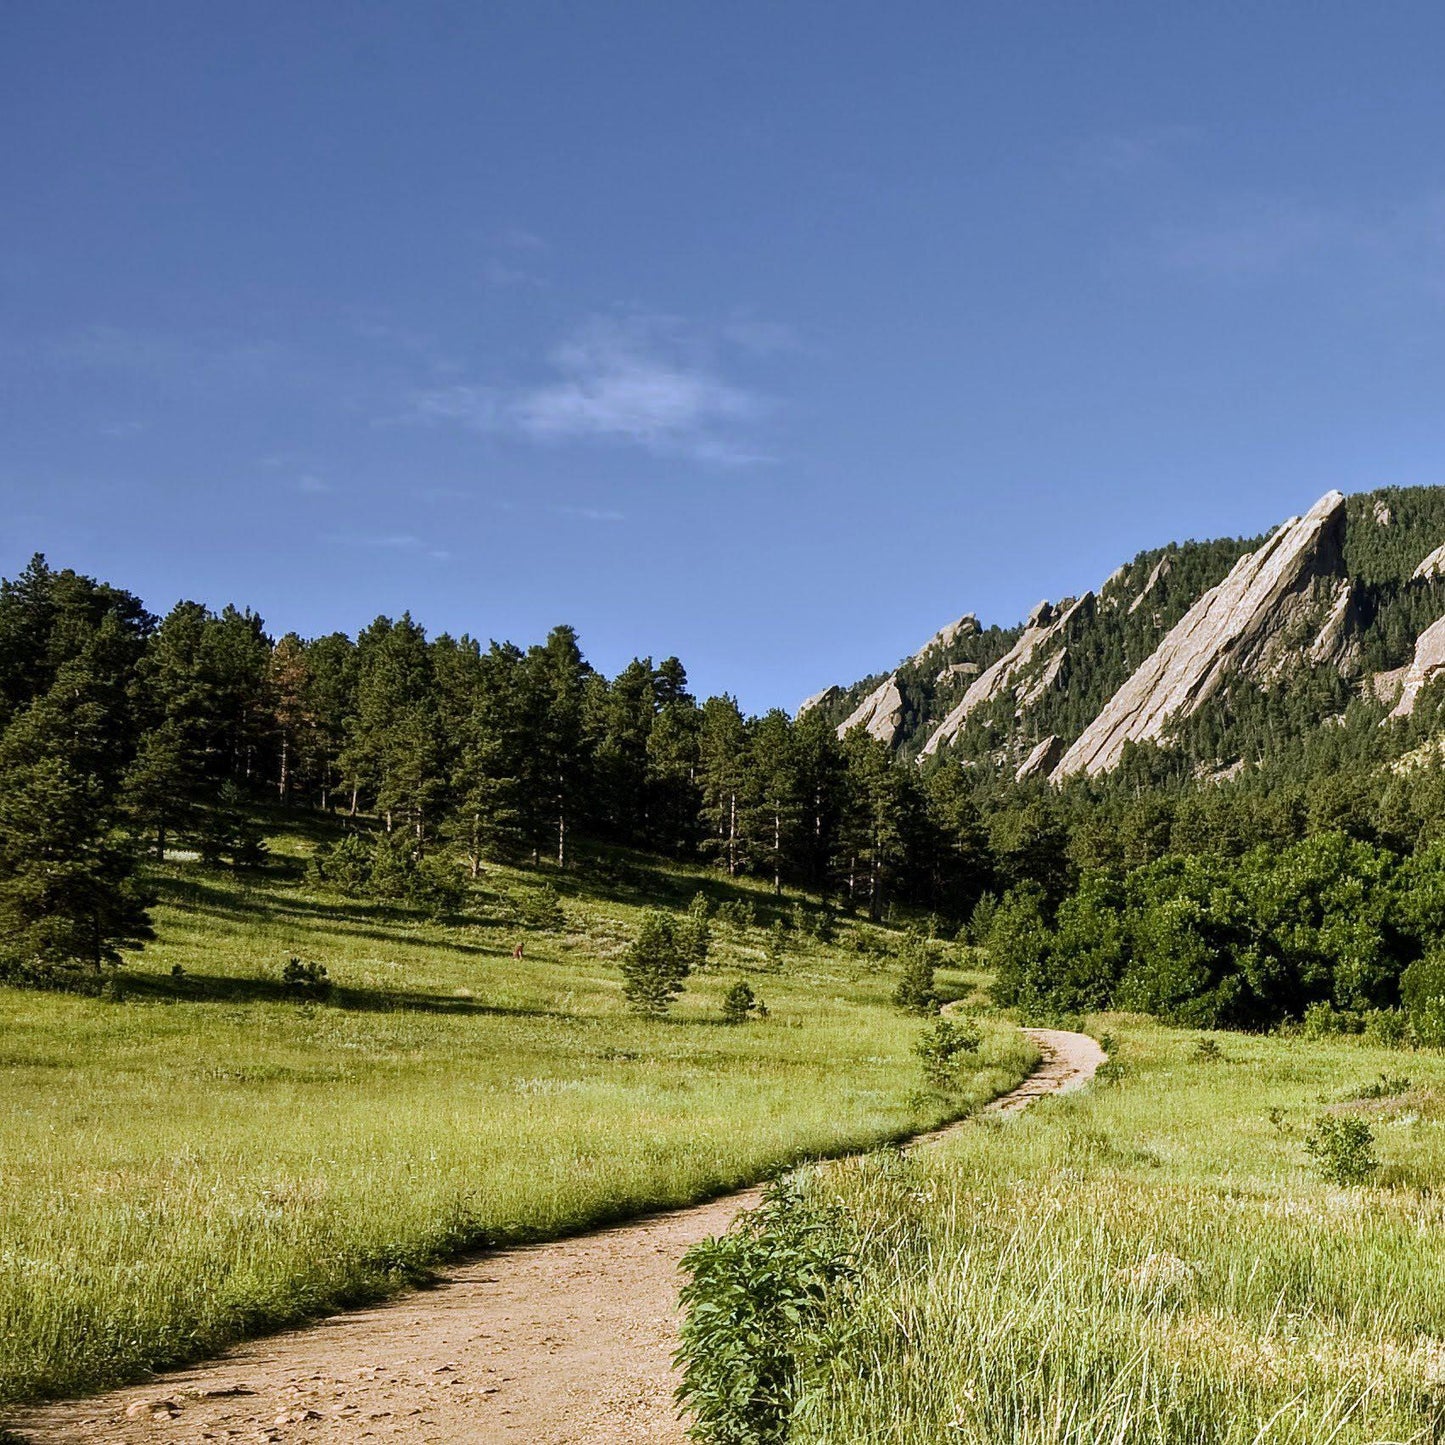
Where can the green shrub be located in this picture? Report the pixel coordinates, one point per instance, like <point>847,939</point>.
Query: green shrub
<point>916,993</point>
<point>777,946</point>
<point>740,1003</point>
<point>1387,1028</point>
<point>942,1050</point>
<point>654,969</point>
<point>345,865</point>
<point>694,932</point>
<point>1207,1051</point>
<point>756,1312</point>
<point>304,978</point>
<point>1325,1021</point>
<point>737,914</point>
<point>1422,988</point>
<point>1343,1149</point>
<point>227,835</point>
<point>542,909</point>
<point>823,924</point>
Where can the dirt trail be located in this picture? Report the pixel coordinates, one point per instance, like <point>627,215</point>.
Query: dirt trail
<point>565,1343</point>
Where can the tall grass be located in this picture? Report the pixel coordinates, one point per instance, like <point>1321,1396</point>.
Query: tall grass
<point>1152,1263</point>
<point>204,1158</point>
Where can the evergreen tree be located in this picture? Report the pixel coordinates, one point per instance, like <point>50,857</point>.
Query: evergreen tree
<point>69,897</point>
<point>558,676</point>
<point>722,775</point>
<point>654,970</point>
<point>773,794</point>
<point>916,993</point>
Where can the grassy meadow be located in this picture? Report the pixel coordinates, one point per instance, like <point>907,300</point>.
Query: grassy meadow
<point>1154,1261</point>
<point>198,1156</point>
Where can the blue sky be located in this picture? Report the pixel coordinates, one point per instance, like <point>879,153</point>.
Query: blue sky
<point>772,335</point>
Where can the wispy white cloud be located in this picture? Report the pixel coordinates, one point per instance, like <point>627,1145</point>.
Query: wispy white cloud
<point>1257,236</point>
<point>1128,153</point>
<point>309,484</point>
<point>519,238</point>
<point>1397,247</point>
<point>589,514</point>
<point>641,380</point>
<point>401,542</point>
<point>505,276</point>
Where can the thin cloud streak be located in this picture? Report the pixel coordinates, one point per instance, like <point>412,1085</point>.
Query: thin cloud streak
<point>641,381</point>
<point>400,542</point>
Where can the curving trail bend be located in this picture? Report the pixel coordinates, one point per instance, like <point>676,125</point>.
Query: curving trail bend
<point>567,1343</point>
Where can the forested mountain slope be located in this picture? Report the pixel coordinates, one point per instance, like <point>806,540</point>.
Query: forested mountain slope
<point>1180,645</point>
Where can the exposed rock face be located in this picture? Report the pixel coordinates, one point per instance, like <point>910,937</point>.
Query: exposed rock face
<point>880,714</point>
<point>1433,565</point>
<point>1162,568</point>
<point>1044,681</point>
<point>1042,758</point>
<point>1383,515</point>
<point>966,626</point>
<point>1240,625</point>
<point>1046,627</point>
<point>957,669</point>
<point>819,699</point>
<point>1336,644</point>
<point>1429,663</point>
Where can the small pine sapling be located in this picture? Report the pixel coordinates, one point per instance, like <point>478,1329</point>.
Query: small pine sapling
<point>916,993</point>
<point>740,1003</point>
<point>654,969</point>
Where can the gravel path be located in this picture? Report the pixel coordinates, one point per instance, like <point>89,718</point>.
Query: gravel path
<point>550,1344</point>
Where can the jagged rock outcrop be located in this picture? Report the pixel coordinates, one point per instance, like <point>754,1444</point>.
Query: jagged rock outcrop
<point>880,714</point>
<point>1337,644</point>
<point>1047,625</point>
<point>1240,625</point>
<point>1041,759</point>
<point>1429,663</point>
<point>966,626</point>
<point>1432,566</point>
<point>820,699</point>
<point>956,670</point>
<point>1162,568</point>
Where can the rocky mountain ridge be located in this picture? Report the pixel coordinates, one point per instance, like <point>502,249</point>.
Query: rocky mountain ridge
<point>1352,590</point>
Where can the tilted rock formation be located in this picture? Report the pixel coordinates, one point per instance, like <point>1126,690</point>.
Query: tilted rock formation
<point>1240,625</point>
<point>1045,626</point>
<point>1429,663</point>
<point>957,669</point>
<point>1041,759</point>
<point>966,626</point>
<point>819,699</point>
<point>1432,566</point>
<point>1162,568</point>
<point>880,714</point>
<point>1336,643</point>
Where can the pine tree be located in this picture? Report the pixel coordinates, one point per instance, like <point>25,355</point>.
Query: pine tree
<point>916,993</point>
<point>722,774</point>
<point>654,969</point>
<point>288,683</point>
<point>558,676</point>
<point>69,896</point>
<point>773,793</point>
